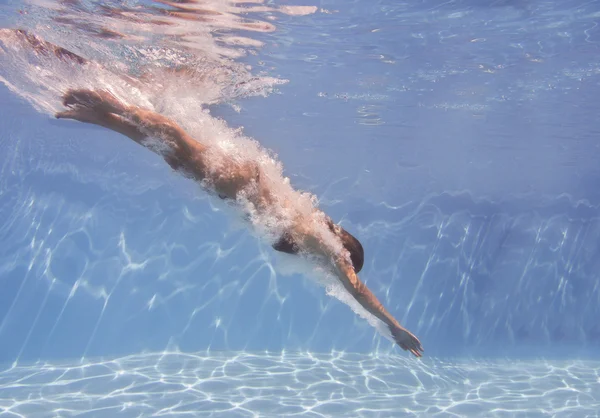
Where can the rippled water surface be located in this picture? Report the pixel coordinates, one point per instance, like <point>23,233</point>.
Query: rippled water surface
<point>458,140</point>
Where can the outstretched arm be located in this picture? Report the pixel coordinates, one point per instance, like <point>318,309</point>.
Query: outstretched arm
<point>367,299</point>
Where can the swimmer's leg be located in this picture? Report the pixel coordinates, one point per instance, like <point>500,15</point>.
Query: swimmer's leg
<point>107,120</point>
<point>182,151</point>
<point>40,46</point>
<point>103,109</point>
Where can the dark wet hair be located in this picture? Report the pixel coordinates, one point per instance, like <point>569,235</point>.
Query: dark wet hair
<point>286,244</point>
<point>351,244</point>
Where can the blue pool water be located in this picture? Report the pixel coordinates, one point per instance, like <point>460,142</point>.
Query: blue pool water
<point>457,140</point>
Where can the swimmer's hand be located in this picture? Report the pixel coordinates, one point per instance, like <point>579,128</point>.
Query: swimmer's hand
<point>406,340</point>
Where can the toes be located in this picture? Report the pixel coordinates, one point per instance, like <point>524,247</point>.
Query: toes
<point>79,97</point>
<point>79,113</point>
<point>67,114</point>
<point>71,98</point>
<point>66,99</point>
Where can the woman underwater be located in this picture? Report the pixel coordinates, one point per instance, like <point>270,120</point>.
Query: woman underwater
<point>310,233</point>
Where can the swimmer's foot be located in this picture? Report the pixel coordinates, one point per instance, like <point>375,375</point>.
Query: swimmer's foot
<point>407,341</point>
<point>99,101</point>
<point>82,114</point>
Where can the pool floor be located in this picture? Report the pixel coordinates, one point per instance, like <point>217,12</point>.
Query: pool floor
<point>237,384</point>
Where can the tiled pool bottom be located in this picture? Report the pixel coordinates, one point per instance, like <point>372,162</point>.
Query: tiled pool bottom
<point>299,384</point>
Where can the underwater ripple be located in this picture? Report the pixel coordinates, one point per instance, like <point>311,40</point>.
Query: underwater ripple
<point>246,384</point>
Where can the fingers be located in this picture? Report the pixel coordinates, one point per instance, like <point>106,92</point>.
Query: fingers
<point>415,344</point>
<point>417,348</point>
<point>417,351</point>
<point>407,341</point>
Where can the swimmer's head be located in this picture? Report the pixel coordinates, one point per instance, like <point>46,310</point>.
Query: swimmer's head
<point>351,244</point>
<point>287,244</point>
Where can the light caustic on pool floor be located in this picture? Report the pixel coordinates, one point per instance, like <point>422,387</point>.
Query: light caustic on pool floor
<point>299,384</point>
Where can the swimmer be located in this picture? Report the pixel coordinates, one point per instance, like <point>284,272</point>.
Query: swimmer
<point>193,158</point>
